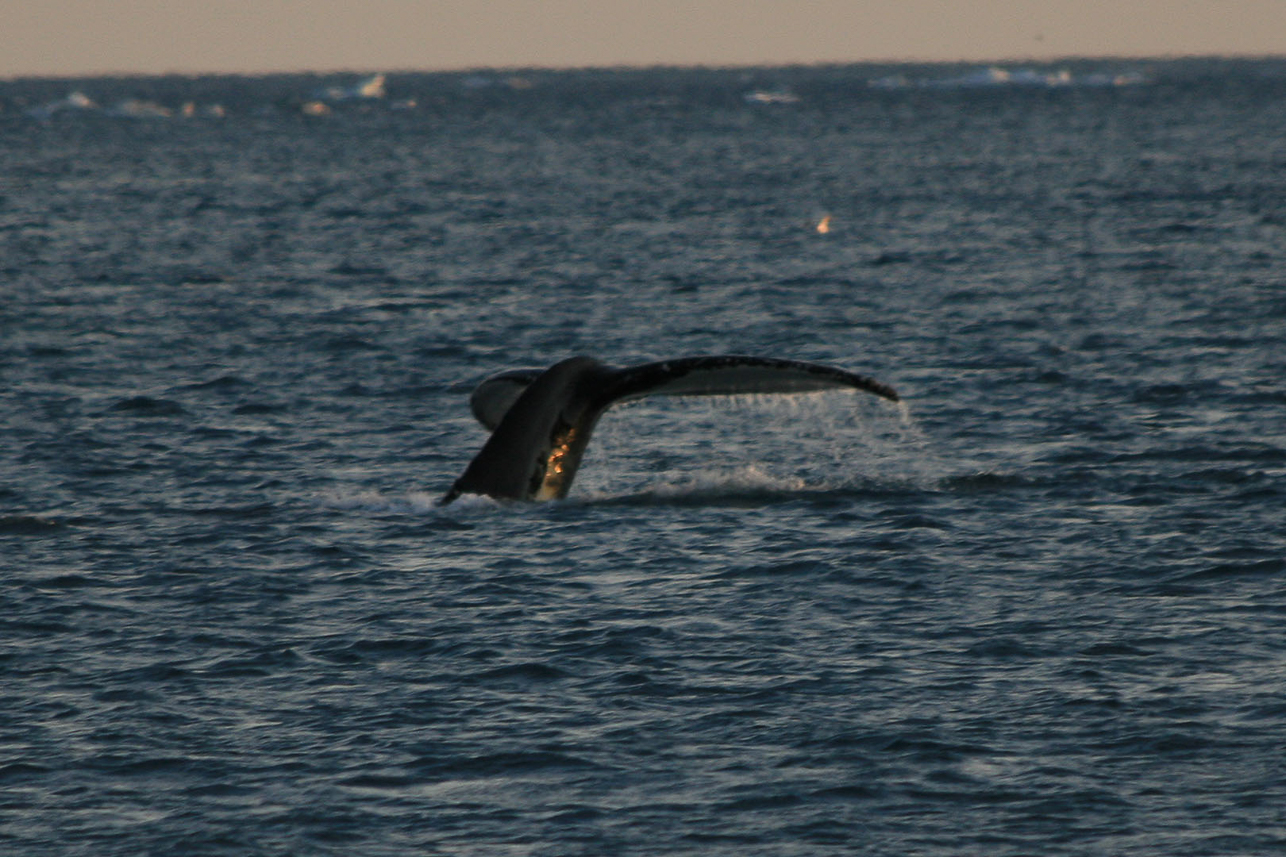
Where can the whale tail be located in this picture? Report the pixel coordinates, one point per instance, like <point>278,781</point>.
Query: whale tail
<point>542,420</point>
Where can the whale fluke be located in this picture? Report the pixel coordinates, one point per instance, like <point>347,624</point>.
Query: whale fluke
<point>541,419</point>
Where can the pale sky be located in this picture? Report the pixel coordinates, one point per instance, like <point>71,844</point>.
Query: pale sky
<point>80,37</point>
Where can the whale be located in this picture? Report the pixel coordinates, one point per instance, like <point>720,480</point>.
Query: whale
<point>541,420</point>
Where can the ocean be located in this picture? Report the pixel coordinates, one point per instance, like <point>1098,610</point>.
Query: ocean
<point>1036,610</point>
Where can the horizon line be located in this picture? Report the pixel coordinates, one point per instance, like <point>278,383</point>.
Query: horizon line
<point>631,66</point>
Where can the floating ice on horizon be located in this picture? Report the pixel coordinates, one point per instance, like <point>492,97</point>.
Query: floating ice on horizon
<point>998,77</point>
<point>136,108</point>
<point>372,87</point>
<point>366,89</point>
<point>76,100</point>
<point>1129,78</point>
<point>128,108</point>
<point>771,96</point>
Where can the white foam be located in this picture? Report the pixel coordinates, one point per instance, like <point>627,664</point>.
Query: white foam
<point>817,442</point>
<point>414,503</point>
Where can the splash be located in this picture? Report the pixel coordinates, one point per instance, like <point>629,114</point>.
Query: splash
<point>709,486</point>
<point>374,502</point>
<point>755,445</point>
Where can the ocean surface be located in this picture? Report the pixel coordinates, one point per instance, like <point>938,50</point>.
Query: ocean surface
<point>1039,610</point>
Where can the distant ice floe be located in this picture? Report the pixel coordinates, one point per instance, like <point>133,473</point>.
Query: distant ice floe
<point>76,101</point>
<point>771,96</point>
<point>994,77</point>
<point>136,108</point>
<point>130,108</point>
<point>318,103</point>
<point>367,89</point>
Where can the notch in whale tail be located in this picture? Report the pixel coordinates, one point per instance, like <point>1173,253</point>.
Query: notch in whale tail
<point>542,420</point>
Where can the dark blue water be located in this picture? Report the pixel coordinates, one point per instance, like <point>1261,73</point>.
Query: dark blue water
<point>1039,612</point>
